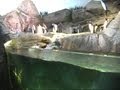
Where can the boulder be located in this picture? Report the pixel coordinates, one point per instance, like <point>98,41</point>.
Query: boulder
<point>26,14</point>
<point>95,8</point>
<point>11,19</point>
<point>29,8</point>
<point>93,5</point>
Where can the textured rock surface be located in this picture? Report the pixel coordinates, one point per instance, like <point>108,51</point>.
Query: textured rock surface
<point>87,42</point>
<point>94,5</point>
<point>107,41</point>
<point>25,15</point>
<point>28,7</point>
<point>57,17</point>
<point>11,19</point>
<point>114,27</point>
<point>80,15</point>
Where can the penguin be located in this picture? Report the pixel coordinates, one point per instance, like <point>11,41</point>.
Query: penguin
<point>100,27</point>
<point>91,26</point>
<point>44,28</point>
<point>33,29</point>
<point>95,28</point>
<point>39,30</point>
<point>55,28</point>
<point>109,21</point>
<point>105,23</point>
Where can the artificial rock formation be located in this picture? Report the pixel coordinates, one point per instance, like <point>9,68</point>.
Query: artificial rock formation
<point>106,41</point>
<point>57,17</point>
<point>28,7</point>
<point>87,43</point>
<point>26,14</point>
<point>81,15</point>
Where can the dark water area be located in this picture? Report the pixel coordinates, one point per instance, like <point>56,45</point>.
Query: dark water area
<point>32,73</point>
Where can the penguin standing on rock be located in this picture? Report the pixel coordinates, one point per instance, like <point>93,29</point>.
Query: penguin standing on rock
<point>39,30</point>
<point>105,23</point>
<point>91,26</point>
<point>95,28</point>
<point>55,27</point>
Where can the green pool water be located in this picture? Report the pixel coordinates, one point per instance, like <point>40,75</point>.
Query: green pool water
<point>36,69</point>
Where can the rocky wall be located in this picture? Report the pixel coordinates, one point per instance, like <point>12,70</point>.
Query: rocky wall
<point>108,41</point>
<point>57,17</point>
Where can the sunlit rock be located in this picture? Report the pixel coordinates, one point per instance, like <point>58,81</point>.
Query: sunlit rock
<point>25,15</point>
<point>11,19</point>
<point>29,8</point>
<point>29,41</point>
<point>94,5</point>
<point>29,11</point>
<point>113,27</point>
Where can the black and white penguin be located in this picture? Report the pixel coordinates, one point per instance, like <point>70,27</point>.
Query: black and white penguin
<point>95,28</point>
<point>55,27</point>
<point>105,23</point>
<point>91,26</point>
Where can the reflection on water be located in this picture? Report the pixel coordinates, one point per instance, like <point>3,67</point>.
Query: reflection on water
<point>103,63</point>
<point>62,70</point>
<point>45,75</point>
